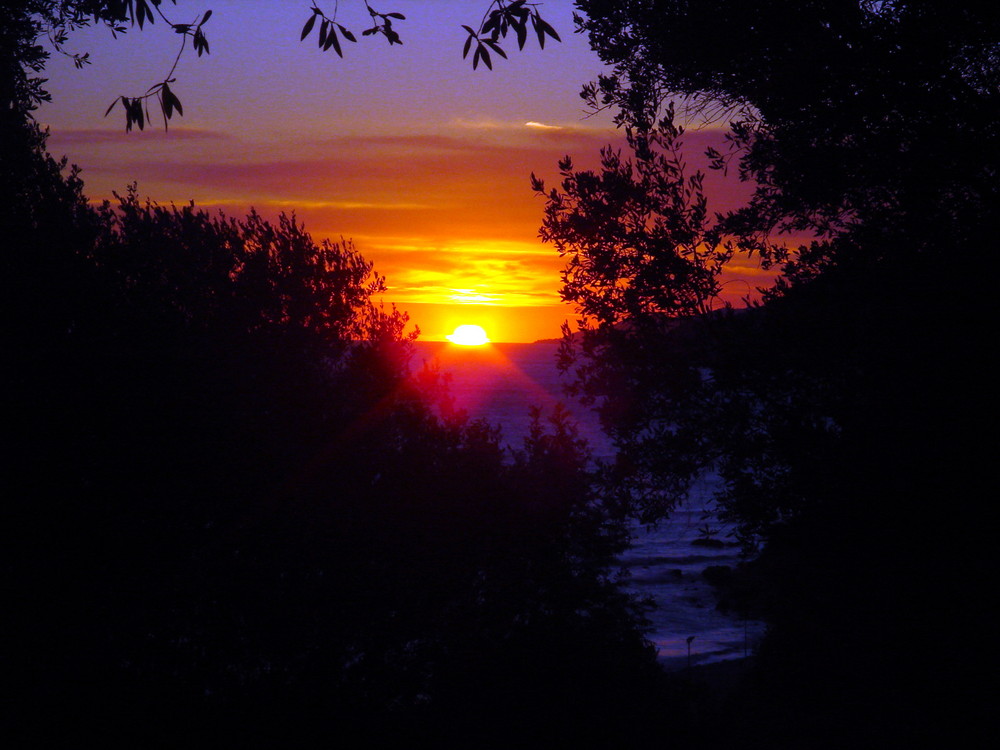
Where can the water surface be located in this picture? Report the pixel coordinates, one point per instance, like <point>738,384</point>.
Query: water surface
<point>499,383</point>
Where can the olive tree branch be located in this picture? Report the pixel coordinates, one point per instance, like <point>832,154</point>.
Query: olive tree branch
<point>136,107</point>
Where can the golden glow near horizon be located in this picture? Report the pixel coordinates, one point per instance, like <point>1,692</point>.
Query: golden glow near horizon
<point>469,335</point>
<point>430,181</point>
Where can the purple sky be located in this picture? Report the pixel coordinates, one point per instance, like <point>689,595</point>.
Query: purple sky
<point>420,160</point>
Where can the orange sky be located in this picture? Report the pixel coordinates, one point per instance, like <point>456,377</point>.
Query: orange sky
<point>420,160</point>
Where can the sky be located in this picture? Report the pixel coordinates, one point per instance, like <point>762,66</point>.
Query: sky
<point>420,161</point>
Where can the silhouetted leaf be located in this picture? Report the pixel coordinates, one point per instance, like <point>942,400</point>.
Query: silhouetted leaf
<point>137,114</point>
<point>546,28</point>
<point>331,39</point>
<point>323,29</point>
<point>347,34</point>
<point>521,28</point>
<point>539,32</point>
<point>486,57</point>
<point>496,48</point>
<point>108,110</point>
<point>200,42</point>
<point>166,103</point>
<point>400,16</point>
<point>171,97</point>
<point>308,27</point>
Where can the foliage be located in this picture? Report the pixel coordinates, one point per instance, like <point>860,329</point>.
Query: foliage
<point>843,411</point>
<point>879,98</point>
<point>824,120</point>
<point>636,235</point>
<point>643,260</point>
<point>232,516</point>
<point>381,24</point>
<point>501,17</point>
<point>23,24</point>
<point>248,274</point>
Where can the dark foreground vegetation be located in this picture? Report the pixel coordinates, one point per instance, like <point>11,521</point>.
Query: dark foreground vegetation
<point>845,413</point>
<point>229,519</point>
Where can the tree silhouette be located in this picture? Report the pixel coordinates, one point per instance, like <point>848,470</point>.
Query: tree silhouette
<point>636,235</point>
<point>878,97</point>
<point>226,495</point>
<point>841,412</point>
<point>231,515</point>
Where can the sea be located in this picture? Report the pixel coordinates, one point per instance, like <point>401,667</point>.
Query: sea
<point>500,383</point>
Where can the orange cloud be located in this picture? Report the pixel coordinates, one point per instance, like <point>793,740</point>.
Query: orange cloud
<point>449,218</point>
<point>75,136</point>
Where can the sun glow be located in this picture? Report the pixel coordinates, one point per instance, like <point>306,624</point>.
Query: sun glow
<point>468,335</point>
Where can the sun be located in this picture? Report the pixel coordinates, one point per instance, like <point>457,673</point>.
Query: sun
<point>468,335</point>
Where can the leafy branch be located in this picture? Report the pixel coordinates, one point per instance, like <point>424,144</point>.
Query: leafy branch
<point>500,18</point>
<point>57,38</point>
<point>328,27</point>
<point>137,107</point>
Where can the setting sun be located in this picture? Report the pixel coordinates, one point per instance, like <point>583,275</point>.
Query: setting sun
<point>468,335</point>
